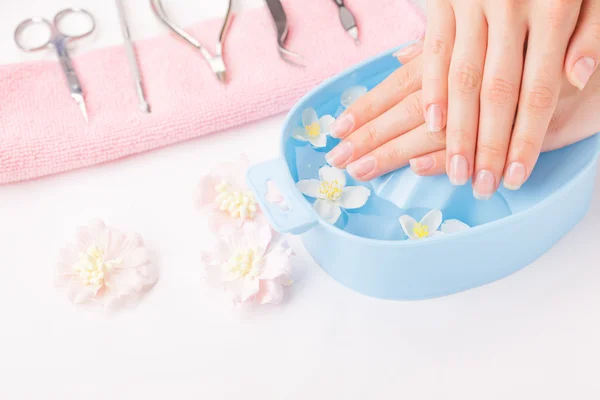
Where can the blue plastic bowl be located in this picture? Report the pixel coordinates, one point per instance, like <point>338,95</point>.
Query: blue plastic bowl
<point>366,250</point>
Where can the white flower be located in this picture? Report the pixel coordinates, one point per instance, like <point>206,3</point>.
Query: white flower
<point>352,94</point>
<point>332,194</point>
<point>314,130</point>
<point>429,225</point>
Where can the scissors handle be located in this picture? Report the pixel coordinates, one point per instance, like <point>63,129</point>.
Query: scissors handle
<point>73,11</point>
<point>25,25</point>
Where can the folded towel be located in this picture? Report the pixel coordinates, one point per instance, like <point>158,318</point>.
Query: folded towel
<point>42,131</point>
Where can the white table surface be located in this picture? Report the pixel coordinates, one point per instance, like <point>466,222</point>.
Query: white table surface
<point>533,335</point>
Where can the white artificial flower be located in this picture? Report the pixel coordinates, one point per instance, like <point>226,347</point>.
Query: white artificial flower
<point>314,129</point>
<point>332,194</point>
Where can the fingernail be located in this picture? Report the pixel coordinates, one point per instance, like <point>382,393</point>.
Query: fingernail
<point>515,176</point>
<point>422,164</point>
<point>342,126</point>
<point>485,185</point>
<point>362,167</point>
<point>459,170</point>
<point>434,118</point>
<point>582,71</point>
<point>339,155</point>
<point>408,50</point>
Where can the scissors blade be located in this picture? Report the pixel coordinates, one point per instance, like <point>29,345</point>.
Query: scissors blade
<point>349,23</point>
<point>81,103</point>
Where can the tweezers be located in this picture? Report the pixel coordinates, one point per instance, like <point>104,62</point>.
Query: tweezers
<point>280,19</point>
<point>347,19</point>
<point>215,62</point>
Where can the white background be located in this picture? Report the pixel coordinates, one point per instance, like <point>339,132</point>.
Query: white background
<point>533,335</point>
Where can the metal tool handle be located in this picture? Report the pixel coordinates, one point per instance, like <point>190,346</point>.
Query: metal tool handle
<point>340,3</point>
<point>281,25</point>
<point>25,25</point>
<point>70,11</point>
<point>133,63</point>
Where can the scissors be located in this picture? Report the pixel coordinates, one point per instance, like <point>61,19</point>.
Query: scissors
<point>347,20</point>
<point>214,61</point>
<point>59,40</point>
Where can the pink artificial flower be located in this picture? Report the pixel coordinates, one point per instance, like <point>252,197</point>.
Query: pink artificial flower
<point>226,198</point>
<point>105,266</point>
<point>249,264</point>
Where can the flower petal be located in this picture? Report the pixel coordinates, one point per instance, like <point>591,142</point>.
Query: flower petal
<point>276,264</point>
<point>354,197</point>
<point>331,174</point>
<point>408,225</point>
<point>319,141</point>
<point>300,134</point>
<point>310,188</point>
<point>453,226</point>
<point>327,210</point>
<point>269,292</point>
<point>352,94</point>
<point>325,124</point>
<point>309,117</point>
<point>433,220</point>
<point>242,289</point>
<point>205,190</point>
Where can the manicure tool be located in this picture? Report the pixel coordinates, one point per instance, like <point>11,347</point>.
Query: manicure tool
<point>59,40</point>
<point>347,19</point>
<point>281,25</point>
<point>215,62</point>
<point>133,63</point>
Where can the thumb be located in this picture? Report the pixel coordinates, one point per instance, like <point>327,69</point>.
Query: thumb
<point>584,49</point>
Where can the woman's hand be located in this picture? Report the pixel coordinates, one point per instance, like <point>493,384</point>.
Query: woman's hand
<point>479,75</point>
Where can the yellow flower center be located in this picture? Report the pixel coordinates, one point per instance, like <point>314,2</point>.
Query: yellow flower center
<point>92,267</point>
<point>331,189</point>
<point>240,205</point>
<point>244,262</point>
<point>313,130</point>
<point>421,231</point>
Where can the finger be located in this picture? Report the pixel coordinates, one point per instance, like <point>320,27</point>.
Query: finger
<point>464,88</point>
<point>397,152</point>
<point>408,53</point>
<point>429,164</point>
<point>437,51</point>
<point>391,91</point>
<point>584,48</point>
<point>499,96</point>
<point>398,120</point>
<point>548,40</point>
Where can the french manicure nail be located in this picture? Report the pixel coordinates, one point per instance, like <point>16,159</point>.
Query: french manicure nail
<point>340,154</point>
<point>434,118</point>
<point>485,185</point>
<point>362,167</point>
<point>408,50</point>
<point>459,170</point>
<point>582,71</point>
<point>342,126</point>
<point>422,164</point>
<point>515,176</point>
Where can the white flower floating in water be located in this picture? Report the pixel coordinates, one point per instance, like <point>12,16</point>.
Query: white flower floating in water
<point>332,194</point>
<point>105,266</point>
<point>250,264</point>
<point>315,129</point>
<point>429,225</point>
<point>352,94</point>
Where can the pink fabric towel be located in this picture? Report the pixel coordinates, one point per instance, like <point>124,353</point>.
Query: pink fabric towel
<point>42,131</point>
